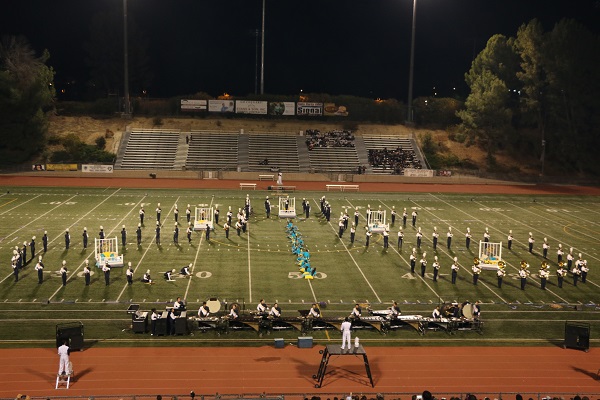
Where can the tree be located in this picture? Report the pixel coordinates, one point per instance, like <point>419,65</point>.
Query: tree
<point>26,97</point>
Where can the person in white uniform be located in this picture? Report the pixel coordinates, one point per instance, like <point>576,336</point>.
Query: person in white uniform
<point>346,326</point>
<point>63,352</point>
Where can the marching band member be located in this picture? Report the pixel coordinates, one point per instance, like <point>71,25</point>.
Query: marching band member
<point>545,247</point>
<point>185,270</point>
<point>157,237</point>
<point>367,236</point>
<point>476,310</point>
<point>176,234</point>
<point>85,237</point>
<point>559,253</point>
<point>544,274</point>
<point>314,312</point>
<point>435,237</point>
<point>39,267</point>
<point>275,311</point>
<point>304,204</point>
<point>153,317</point>
<point>238,227</point>
<point>454,267</point>
<point>414,218</point>
<point>216,216</point>
<point>352,232</point>
<point>413,260</point>
<point>386,238</point>
<point>468,238</point>
<point>394,311</point>
<point>203,311</point>
<point>400,238</point>
<point>268,207</point>
<point>67,239</point>
<point>404,217</point>
<point>86,272</point>
<point>570,258</point>
<point>188,232</point>
<point>436,314</point>
<point>393,214</point>
<point>101,233</point>
<point>146,278</point>
<point>179,305</point>
<point>523,273</point>
<point>509,239</point>
<point>45,241</point>
<point>158,211</point>
<point>561,272</point>
<point>129,274</point>
<point>436,268</point>
<point>345,218</point>
<point>531,240</point>
<point>356,215</point>
<point>229,215</point>
<point>340,227</point>
<point>63,273</point>
<point>234,313</point>
<point>476,271</point>
<point>500,274</point>
<point>142,213</point>
<point>356,312</point>
<point>486,235</point>
<point>423,262</point>
<point>138,234</point>
<point>576,273</point>
<point>188,214</point>
<point>106,270</point>
<point>584,270</point>
<point>123,236</point>
<point>419,236</point>
<point>261,307</point>
<point>449,235</point>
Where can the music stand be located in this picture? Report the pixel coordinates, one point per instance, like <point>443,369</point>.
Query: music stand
<point>335,350</point>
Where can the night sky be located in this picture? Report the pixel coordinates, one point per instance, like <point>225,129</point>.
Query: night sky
<point>353,47</point>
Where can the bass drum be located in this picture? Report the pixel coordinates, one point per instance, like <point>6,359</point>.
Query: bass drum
<point>467,311</point>
<point>214,305</point>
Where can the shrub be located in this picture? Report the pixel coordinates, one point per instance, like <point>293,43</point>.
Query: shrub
<point>101,142</point>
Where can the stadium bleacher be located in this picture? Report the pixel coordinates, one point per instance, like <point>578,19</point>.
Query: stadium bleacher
<point>150,149</point>
<point>391,154</point>
<point>269,152</point>
<point>212,151</point>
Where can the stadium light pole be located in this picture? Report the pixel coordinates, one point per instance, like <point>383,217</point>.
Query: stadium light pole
<point>262,51</point>
<point>409,117</point>
<point>127,110</point>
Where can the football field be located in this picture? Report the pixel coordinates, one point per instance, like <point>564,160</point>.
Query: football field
<point>259,264</point>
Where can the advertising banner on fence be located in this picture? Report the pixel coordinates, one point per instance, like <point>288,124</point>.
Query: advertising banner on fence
<point>418,173</point>
<point>194,105</point>
<point>103,169</point>
<point>331,110</point>
<point>61,167</point>
<point>305,108</point>
<point>222,106</point>
<point>282,108</point>
<point>251,107</point>
<point>38,167</point>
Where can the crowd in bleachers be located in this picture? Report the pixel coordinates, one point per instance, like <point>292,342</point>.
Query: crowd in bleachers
<point>396,160</point>
<point>335,138</point>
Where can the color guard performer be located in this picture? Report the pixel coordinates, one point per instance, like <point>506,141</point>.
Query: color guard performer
<point>500,274</point>
<point>435,237</point>
<point>400,238</point>
<point>454,268</point>
<point>423,262</point>
<point>468,238</point>
<point>544,274</point>
<point>413,260</point>
<point>436,268</point>
<point>531,240</point>
<point>476,271</point>
<point>509,239</point>
<point>545,248</point>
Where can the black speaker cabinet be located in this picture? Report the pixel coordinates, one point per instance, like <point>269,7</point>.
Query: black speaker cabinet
<point>71,332</point>
<point>577,335</point>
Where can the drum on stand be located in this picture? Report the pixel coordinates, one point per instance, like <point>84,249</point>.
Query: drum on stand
<point>214,305</point>
<point>467,311</point>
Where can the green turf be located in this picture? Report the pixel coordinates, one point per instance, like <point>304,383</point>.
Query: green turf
<point>260,265</point>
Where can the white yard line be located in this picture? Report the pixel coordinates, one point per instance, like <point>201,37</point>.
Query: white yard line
<point>354,261</point>
<point>187,288</point>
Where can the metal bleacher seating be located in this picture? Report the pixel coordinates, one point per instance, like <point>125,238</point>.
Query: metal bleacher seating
<point>334,159</point>
<point>281,151</point>
<point>379,142</point>
<point>150,149</point>
<point>212,150</point>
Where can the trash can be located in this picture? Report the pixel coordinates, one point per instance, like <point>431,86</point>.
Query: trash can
<point>71,332</point>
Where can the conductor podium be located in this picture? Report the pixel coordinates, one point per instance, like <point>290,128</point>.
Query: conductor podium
<point>335,350</point>
<point>71,332</point>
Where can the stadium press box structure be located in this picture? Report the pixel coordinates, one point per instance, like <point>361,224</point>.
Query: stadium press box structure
<point>289,210</point>
<point>203,218</point>
<point>107,251</point>
<point>490,255</point>
<point>376,221</point>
